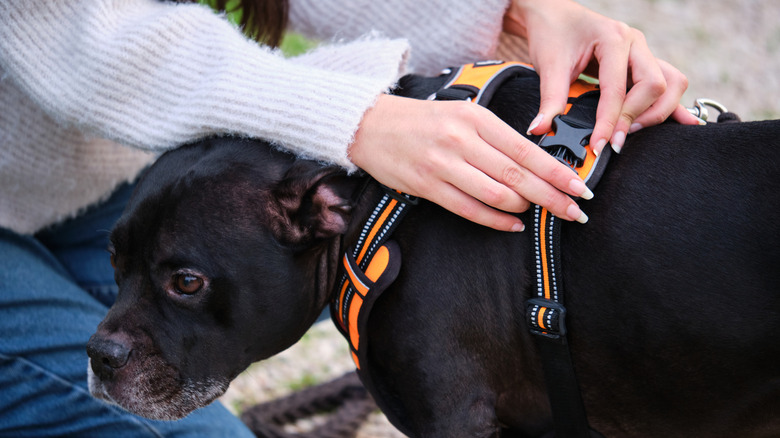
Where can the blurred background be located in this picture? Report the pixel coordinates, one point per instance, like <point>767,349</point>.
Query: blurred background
<point>730,51</point>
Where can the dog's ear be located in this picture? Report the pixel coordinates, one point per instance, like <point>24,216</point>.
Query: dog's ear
<point>313,203</point>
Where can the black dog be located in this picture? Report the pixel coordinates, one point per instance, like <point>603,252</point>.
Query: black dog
<point>229,249</point>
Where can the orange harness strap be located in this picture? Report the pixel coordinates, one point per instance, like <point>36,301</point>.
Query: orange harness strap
<point>545,312</point>
<point>479,81</point>
<point>369,267</point>
<point>569,143</point>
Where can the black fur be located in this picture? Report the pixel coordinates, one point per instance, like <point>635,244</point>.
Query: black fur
<point>672,286</point>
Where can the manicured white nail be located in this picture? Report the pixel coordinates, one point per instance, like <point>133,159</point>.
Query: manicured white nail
<point>518,227</point>
<point>617,141</point>
<point>701,121</point>
<point>599,146</point>
<point>634,128</point>
<point>574,212</point>
<point>534,123</point>
<point>578,186</point>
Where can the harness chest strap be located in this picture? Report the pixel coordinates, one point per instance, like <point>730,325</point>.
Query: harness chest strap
<point>545,313</point>
<point>372,264</point>
<point>369,267</point>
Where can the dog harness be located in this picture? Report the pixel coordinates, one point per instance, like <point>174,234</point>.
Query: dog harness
<point>545,311</point>
<point>373,262</point>
<point>369,267</point>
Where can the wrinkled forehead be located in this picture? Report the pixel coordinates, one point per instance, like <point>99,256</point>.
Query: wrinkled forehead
<point>199,211</point>
<point>209,188</point>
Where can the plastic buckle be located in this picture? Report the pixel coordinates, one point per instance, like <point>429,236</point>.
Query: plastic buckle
<point>554,316</point>
<point>568,143</point>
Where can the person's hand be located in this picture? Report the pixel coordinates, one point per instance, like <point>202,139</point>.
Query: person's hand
<point>566,39</point>
<point>461,156</point>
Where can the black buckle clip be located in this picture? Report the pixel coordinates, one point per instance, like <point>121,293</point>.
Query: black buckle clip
<point>568,143</point>
<point>555,315</point>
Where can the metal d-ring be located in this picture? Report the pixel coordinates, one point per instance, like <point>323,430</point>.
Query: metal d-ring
<point>700,108</point>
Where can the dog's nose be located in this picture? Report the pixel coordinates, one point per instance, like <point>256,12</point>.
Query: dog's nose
<point>106,355</point>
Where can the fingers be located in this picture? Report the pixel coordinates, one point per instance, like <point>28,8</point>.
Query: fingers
<point>554,83</point>
<point>468,207</point>
<point>656,88</point>
<point>618,108</point>
<point>668,103</point>
<point>483,177</point>
<point>529,171</point>
<point>461,156</point>
<point>612,56</point>
<point>683,116</point>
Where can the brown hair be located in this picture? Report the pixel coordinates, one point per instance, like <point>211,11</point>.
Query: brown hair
<point>263,20</point>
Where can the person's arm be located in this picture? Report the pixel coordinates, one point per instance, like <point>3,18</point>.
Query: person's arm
<point>155,75</point>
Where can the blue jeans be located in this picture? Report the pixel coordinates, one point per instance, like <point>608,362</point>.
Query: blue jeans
<point>55,288</point>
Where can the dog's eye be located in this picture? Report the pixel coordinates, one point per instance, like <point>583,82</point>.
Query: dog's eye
<point>112,255</point>
<point>187,284</point>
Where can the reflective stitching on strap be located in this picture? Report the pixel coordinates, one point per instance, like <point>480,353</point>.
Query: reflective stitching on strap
<point>374,234</point>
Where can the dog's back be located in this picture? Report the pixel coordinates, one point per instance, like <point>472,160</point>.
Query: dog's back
<point>672,288</point>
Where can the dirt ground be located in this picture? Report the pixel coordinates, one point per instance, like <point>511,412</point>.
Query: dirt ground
<point>730,51</point>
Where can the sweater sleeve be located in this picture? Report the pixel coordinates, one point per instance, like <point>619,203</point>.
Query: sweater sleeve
<point>155,75</point>
<point>442,33</point>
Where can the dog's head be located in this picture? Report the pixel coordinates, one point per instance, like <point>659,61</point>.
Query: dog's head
<point>220,258</point>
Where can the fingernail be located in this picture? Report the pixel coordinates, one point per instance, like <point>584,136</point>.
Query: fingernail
<point>534,123</point>
<point>599,146</point>
<point>634,128</point>
<point>701,121</point>
<point>574,212</point>
<point>518,227</point>
<point>617,141</point>
<point>578,186</point>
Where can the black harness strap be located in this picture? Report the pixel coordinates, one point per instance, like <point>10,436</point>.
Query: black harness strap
<point>546,312</point>
<point>546,316</point>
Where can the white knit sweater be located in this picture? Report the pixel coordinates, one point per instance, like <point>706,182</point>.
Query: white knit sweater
<point>80,77</point>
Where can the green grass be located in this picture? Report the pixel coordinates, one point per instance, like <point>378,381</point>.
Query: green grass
<point>295,44</point>
<point>292,44</point>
